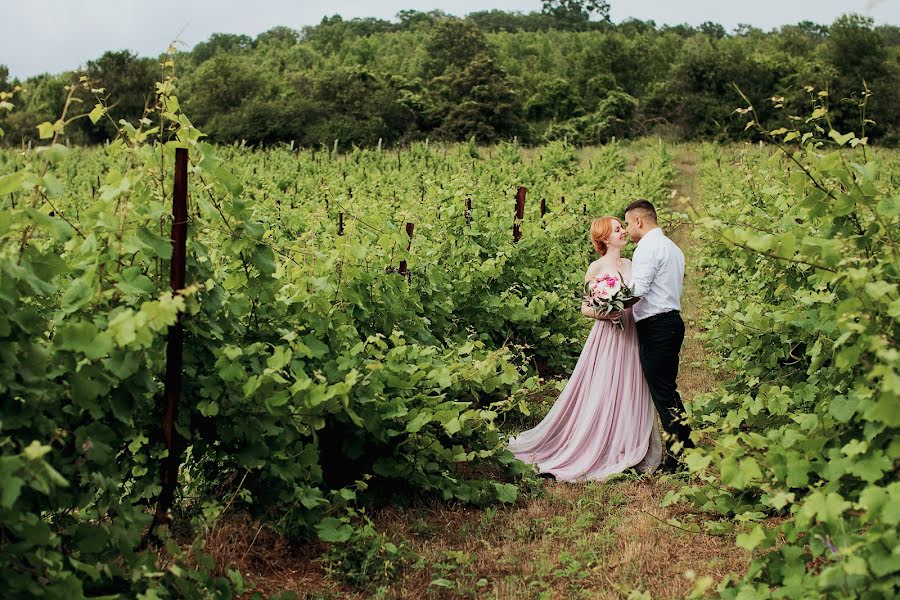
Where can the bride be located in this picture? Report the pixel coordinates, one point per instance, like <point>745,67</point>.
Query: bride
<point>604,420</point>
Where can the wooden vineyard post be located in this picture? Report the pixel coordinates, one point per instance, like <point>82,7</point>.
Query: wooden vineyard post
<point>543,207</point>
<point>468,210</point>
<point>340,223</point>
<point>409,232</point>
<point>175,345</point>
<point>520,213</point>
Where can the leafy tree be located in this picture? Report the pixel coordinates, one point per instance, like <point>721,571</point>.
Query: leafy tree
<point>328,36</point>
<point>811,29</point>
<point>890,34</point>
<point>220,86</point>
<point>713,30</point>
<point>278,36</point>
<point>554,99</point>
<point>614,117</point>
<point>369,26</point>
<point>128,84</point>
<point>453,44</point>
<point>859,55</point>
<point>498,20</point>
<point>576,11</point>
<point>478,101</point>
<point>267,121</point>
<point>414,19</point>
<point>801,39</point>
<point>856,50</point>
<point>702,85</point>
<point>747,30</point>
<point>332,33</point>
<point>494,21</point>
<point>599,87</point>
<point>360,107</point>
<point>41,100</point>
<point>682,29</point>
<point>633,27</point>
<point>221,43</point>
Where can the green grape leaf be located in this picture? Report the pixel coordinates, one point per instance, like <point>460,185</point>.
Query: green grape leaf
<point>751,539</point>
<point>330,529</point>
<point>12,182</point>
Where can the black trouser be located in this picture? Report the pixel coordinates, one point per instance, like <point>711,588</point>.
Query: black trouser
<point>660,338</point>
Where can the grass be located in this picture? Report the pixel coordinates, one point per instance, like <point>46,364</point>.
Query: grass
<point>590,540</point>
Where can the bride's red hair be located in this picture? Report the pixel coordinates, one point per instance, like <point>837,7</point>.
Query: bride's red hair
<point>600,231</point>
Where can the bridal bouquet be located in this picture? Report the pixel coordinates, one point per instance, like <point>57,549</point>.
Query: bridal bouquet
<point>607,293</point>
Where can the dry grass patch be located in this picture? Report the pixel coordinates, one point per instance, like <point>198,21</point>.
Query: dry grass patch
<point>267,561</point>
<point>594,540</point>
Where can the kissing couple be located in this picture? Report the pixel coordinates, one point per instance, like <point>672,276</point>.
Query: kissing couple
<point>605,420</point>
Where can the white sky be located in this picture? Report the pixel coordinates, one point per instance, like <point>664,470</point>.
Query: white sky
<point>57,35</point>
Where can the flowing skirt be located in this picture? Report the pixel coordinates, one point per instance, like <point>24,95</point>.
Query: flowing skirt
<point>604,420</point>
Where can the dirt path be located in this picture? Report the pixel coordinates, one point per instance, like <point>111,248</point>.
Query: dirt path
<point>693,377</point>
<point>594,540</point>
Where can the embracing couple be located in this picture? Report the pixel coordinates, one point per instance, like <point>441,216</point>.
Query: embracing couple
<point>605,420</point>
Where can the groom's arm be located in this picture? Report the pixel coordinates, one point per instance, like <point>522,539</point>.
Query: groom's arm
<point>643,270</point>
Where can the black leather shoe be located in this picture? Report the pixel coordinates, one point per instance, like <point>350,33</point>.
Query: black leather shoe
<point>670,465</point>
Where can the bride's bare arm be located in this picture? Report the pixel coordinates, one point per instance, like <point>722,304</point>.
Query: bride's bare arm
<point>585,309</point>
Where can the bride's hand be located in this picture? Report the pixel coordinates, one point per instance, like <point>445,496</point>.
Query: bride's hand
<point>593,314</point>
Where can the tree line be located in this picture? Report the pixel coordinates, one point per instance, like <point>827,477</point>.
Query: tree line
<point>566,72</point>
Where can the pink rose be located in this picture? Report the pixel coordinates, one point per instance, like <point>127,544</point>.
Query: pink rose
<point>613,285</point>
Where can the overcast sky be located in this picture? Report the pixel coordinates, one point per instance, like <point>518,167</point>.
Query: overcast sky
<point>57,35</point>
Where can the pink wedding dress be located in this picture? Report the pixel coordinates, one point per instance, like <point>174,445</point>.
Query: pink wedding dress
<point>604,420</point>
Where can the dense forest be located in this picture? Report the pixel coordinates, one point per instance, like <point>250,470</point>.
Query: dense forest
<point>566,72</point>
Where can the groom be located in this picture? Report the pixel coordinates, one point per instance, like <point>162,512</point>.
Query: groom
<point>657,272</point>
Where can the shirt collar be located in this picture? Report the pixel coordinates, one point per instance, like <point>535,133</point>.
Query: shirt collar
<point>653,232</point>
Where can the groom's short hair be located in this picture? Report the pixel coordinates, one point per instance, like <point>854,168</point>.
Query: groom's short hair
<point>643,206</point>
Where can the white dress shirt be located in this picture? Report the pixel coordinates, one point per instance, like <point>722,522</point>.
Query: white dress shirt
<point>657,271</point>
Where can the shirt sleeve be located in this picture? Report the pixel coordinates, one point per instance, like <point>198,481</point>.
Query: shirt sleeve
<point>644,264</point>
